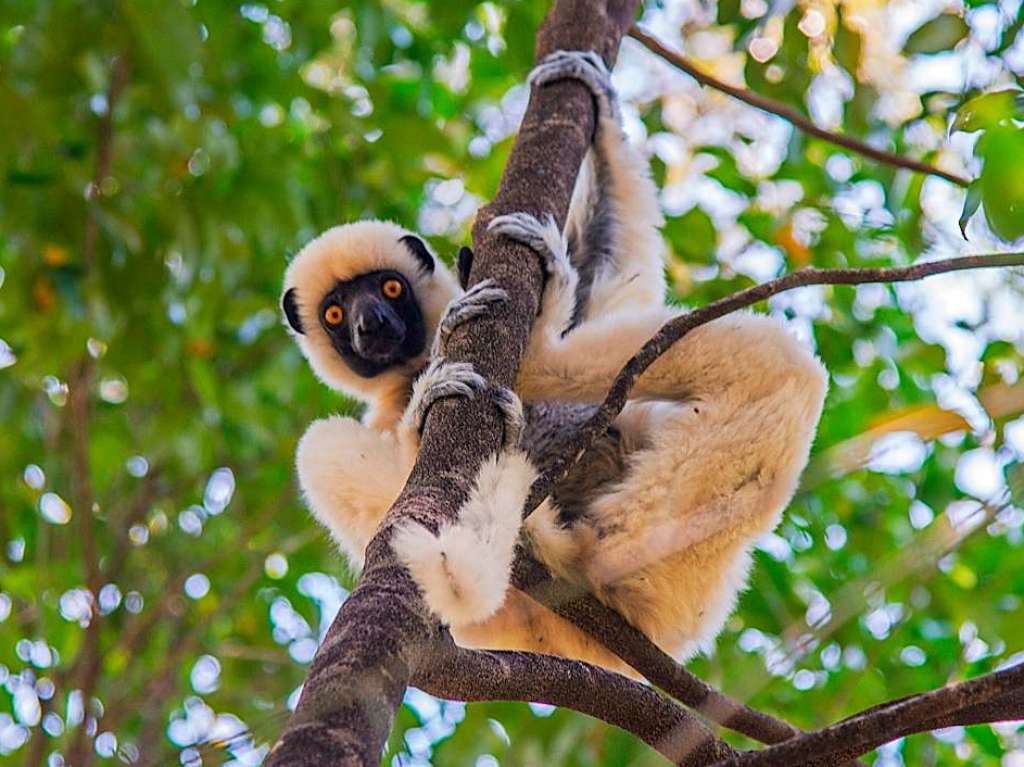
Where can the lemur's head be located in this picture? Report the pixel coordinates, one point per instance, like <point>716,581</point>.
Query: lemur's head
<point>364,300</point>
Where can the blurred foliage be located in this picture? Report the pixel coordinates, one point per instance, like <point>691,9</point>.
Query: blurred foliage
<point>160,162</point>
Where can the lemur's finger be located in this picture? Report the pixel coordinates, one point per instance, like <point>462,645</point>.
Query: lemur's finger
<point>511,408</point>
<point>586,66</point>
<point>441,379</point>
<point>478,300</point>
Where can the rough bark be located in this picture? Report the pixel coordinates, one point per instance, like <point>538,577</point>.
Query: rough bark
<point>372,649</point>
<point>992,697</point>
<point>384,637</point>
<point>477,675</point>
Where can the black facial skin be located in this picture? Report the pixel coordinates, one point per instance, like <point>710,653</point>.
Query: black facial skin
<point>376,333</point>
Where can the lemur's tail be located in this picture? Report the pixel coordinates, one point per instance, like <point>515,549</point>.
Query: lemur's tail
<point>464,571</point>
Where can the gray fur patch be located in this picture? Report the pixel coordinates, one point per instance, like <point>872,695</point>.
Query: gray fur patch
<point>549,426</point>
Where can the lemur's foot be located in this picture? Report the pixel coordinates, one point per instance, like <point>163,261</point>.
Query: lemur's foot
<point>441,379</point>
<point>586,66</point>
<point>547,242</point>
<point>511,409</point>
<point>478,300</point>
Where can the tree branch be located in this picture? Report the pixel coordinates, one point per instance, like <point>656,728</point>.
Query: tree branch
<point>378,639</point>
<point>88,660</point>
<point>679,326</point>
<point>477,675</point>
<point>789,114</point>
<point>986,698</point>
<point>627,642</point>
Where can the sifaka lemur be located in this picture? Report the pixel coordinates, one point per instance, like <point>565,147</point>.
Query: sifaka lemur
<point>659,519</point>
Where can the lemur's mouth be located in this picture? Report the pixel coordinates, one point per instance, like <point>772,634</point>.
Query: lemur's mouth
<point>379,348</point>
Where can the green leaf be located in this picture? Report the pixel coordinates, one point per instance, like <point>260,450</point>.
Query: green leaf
<point>938,35</point>
<point>1002,182</point>
<point>988,110</point>
<point>727,172</point>
<point>971,202</point>
<point>1015,481</point>
<point>693,236</point>
<point>729,11</point>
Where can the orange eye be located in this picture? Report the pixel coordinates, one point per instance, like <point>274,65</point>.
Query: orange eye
<point>333,314</point>
<point>391,289</point>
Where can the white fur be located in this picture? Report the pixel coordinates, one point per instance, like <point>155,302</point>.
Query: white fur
<point>718,431</point>
<point>464,571</point>
<point>350,475</point>
<point>340,254</point>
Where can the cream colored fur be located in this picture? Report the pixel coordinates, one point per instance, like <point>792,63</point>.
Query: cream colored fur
<point>719,429</point>
<point>669,547</point>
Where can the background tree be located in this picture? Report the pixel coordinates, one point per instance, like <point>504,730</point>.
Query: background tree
<point>158,168</point>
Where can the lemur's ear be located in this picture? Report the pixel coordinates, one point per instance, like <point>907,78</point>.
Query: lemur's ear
<point>464,263</point>
<point>418,249</point>
<point>291,310</point>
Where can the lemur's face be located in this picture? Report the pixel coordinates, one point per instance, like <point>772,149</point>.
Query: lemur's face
<point>362,300</point>
<point>373,322</point>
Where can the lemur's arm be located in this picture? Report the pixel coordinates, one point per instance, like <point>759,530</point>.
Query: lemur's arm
<point>743,351</point>
<point>611,231</point>
<point>459,584</point>
<point>612,226</point>
<point>351,475</point>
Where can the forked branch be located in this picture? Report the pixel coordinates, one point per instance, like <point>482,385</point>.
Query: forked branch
<point>478,675</point>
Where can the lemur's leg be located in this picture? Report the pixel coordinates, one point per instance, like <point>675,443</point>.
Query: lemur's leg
<point>581,365</point>
<point>544,373</point>
<point>613,221</point>
<point>721,454</point>
<point>464,570</point>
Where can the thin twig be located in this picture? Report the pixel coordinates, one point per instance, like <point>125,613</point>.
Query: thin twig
<point>678,327</point>
<point>88,661</point>
<point>789,114</point>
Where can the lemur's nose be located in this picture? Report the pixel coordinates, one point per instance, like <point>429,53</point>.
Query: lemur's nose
<point>375,321</point>
<point>371,320</point>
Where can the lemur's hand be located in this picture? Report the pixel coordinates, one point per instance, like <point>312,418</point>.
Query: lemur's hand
<point>477,301</point>
<point>586,66</point>
<point>444,379</point>
<point>559,300</point>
